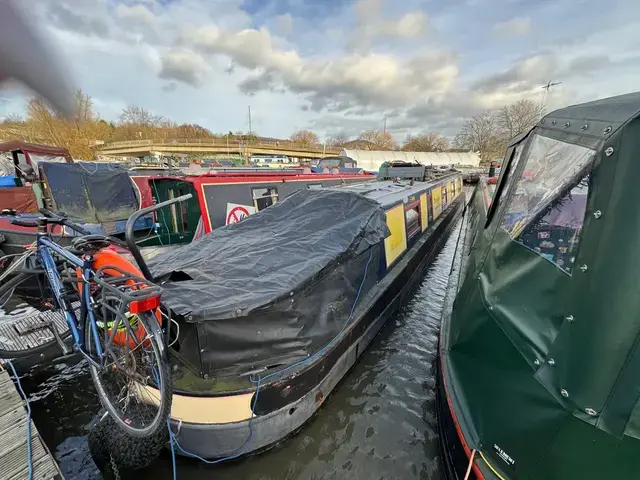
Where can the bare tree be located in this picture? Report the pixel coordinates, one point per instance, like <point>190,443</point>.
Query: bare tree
<point>518,117</point>
<point>78,135</point>
<point>84,107</point>
<point>306,138</point>
<point>339,139</point>
<point>481,134</point>
<point>140,116</point>
<point>381,140</point>
<point>426,142</point>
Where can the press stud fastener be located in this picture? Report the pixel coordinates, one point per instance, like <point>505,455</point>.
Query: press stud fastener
<point>597,214</point>
<point>569,318</point>
<point>564,393</point>
<point>551,362</point>
<point>607,130</point>
<point>583,268</point>
<point>536,362</point>
<point>609,151</point>
<point>590,411</point>
<point>553,122</point>
<point>566,125</point>
<point>584,127</point>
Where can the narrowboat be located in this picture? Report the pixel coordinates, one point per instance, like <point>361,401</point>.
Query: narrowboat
<point>221,198</point>
<point>539,365</point>
<point>274,310</point>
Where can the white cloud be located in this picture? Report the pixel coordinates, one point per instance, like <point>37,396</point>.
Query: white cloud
<point>342,82</point>
<point>136,13</point>
<point>513,28</point>
<point>184,66</point>
<point>372,25</point>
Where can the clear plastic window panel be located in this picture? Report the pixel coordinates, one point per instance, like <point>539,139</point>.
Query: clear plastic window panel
<point>546,211</point>
<point>556,235</point>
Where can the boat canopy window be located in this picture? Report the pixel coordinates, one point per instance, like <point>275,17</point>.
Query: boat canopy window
<point>546,211</point>
<point>502,191</point>
<point>264,197</point>
<point>329,162</point>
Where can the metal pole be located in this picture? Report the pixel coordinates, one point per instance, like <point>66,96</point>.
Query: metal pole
<point>384,126</point>
<point>250,120</point>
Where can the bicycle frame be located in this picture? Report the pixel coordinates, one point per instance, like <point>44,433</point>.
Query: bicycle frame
<point>76,327</point>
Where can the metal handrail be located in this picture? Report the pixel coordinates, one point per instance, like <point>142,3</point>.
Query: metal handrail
<point>129,236</point>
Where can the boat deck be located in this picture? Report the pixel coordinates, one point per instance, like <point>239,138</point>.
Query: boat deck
<point>13,439</point>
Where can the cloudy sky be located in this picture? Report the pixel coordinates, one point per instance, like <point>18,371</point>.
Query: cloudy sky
<point>338,65</point>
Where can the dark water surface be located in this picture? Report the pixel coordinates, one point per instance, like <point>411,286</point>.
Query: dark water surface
<point>379,423</point>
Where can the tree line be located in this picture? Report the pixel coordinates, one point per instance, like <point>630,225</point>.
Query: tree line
<point>487,133</point>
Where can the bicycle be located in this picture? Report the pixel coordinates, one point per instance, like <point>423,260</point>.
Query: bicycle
<point>112,313</point>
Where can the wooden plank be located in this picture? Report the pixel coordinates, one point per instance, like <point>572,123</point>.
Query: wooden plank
<point>14,463</point>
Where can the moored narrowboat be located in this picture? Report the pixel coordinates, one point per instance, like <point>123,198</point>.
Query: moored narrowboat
<point>226,197</point>
<point>274,310</point>
<point>538,358</point>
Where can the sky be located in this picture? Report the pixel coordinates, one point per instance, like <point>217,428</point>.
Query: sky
<point>337,65</point>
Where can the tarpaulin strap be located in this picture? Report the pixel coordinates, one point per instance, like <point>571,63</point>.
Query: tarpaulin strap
<point>473,454</point>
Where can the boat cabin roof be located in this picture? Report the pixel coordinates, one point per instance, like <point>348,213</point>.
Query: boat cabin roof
<point>388,192</point>
<point>35,149</point>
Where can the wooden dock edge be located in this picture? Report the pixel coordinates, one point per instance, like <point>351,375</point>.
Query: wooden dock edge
<point>13,438</point>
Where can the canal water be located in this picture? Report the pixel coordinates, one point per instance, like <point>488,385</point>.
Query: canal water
<point>378,424</point>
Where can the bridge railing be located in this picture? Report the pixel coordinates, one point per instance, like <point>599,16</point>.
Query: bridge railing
<point>221,142</point>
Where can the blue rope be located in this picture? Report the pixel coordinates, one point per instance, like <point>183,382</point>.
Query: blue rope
<point>26,401</point>
<point>240,451</point>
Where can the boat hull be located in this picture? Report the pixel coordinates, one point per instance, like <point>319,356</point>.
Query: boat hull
<point>219,440</point>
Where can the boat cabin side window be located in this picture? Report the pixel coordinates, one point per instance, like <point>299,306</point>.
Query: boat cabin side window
<point>413,217</point>
<point>264,197</point>
<point>547,209</point>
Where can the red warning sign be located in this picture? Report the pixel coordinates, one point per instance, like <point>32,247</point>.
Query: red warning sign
<point>236,214</point>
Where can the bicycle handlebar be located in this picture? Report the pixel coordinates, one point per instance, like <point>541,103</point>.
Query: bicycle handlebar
<point>63,221</point>
<point>24,223</point>
<point>128,234</point>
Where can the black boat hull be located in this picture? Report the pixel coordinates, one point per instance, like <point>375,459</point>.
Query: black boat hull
<point>280,415</point>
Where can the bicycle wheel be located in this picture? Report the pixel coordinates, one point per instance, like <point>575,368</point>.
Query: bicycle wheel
<point>27,316</point>
<point>134,381</point>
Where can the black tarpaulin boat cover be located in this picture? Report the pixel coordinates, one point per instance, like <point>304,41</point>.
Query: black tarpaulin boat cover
<point>91,192</point>
<point>269,255</point>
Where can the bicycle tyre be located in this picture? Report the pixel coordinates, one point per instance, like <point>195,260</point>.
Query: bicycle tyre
<point>6,287</point>
<point>151,325</point>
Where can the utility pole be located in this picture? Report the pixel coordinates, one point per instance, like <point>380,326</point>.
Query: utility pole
<point>250,120</point>
<point>384,126</point>
<point>546,90</point>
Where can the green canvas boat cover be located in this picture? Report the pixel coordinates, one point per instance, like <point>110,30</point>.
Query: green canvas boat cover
<point>540,355</point>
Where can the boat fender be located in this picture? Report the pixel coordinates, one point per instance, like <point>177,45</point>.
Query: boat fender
<point>118,454</point>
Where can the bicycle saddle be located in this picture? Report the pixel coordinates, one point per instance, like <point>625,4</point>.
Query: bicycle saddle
<point>87,243</point>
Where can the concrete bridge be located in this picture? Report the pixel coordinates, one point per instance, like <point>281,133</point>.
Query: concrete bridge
<point>141,148</point>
